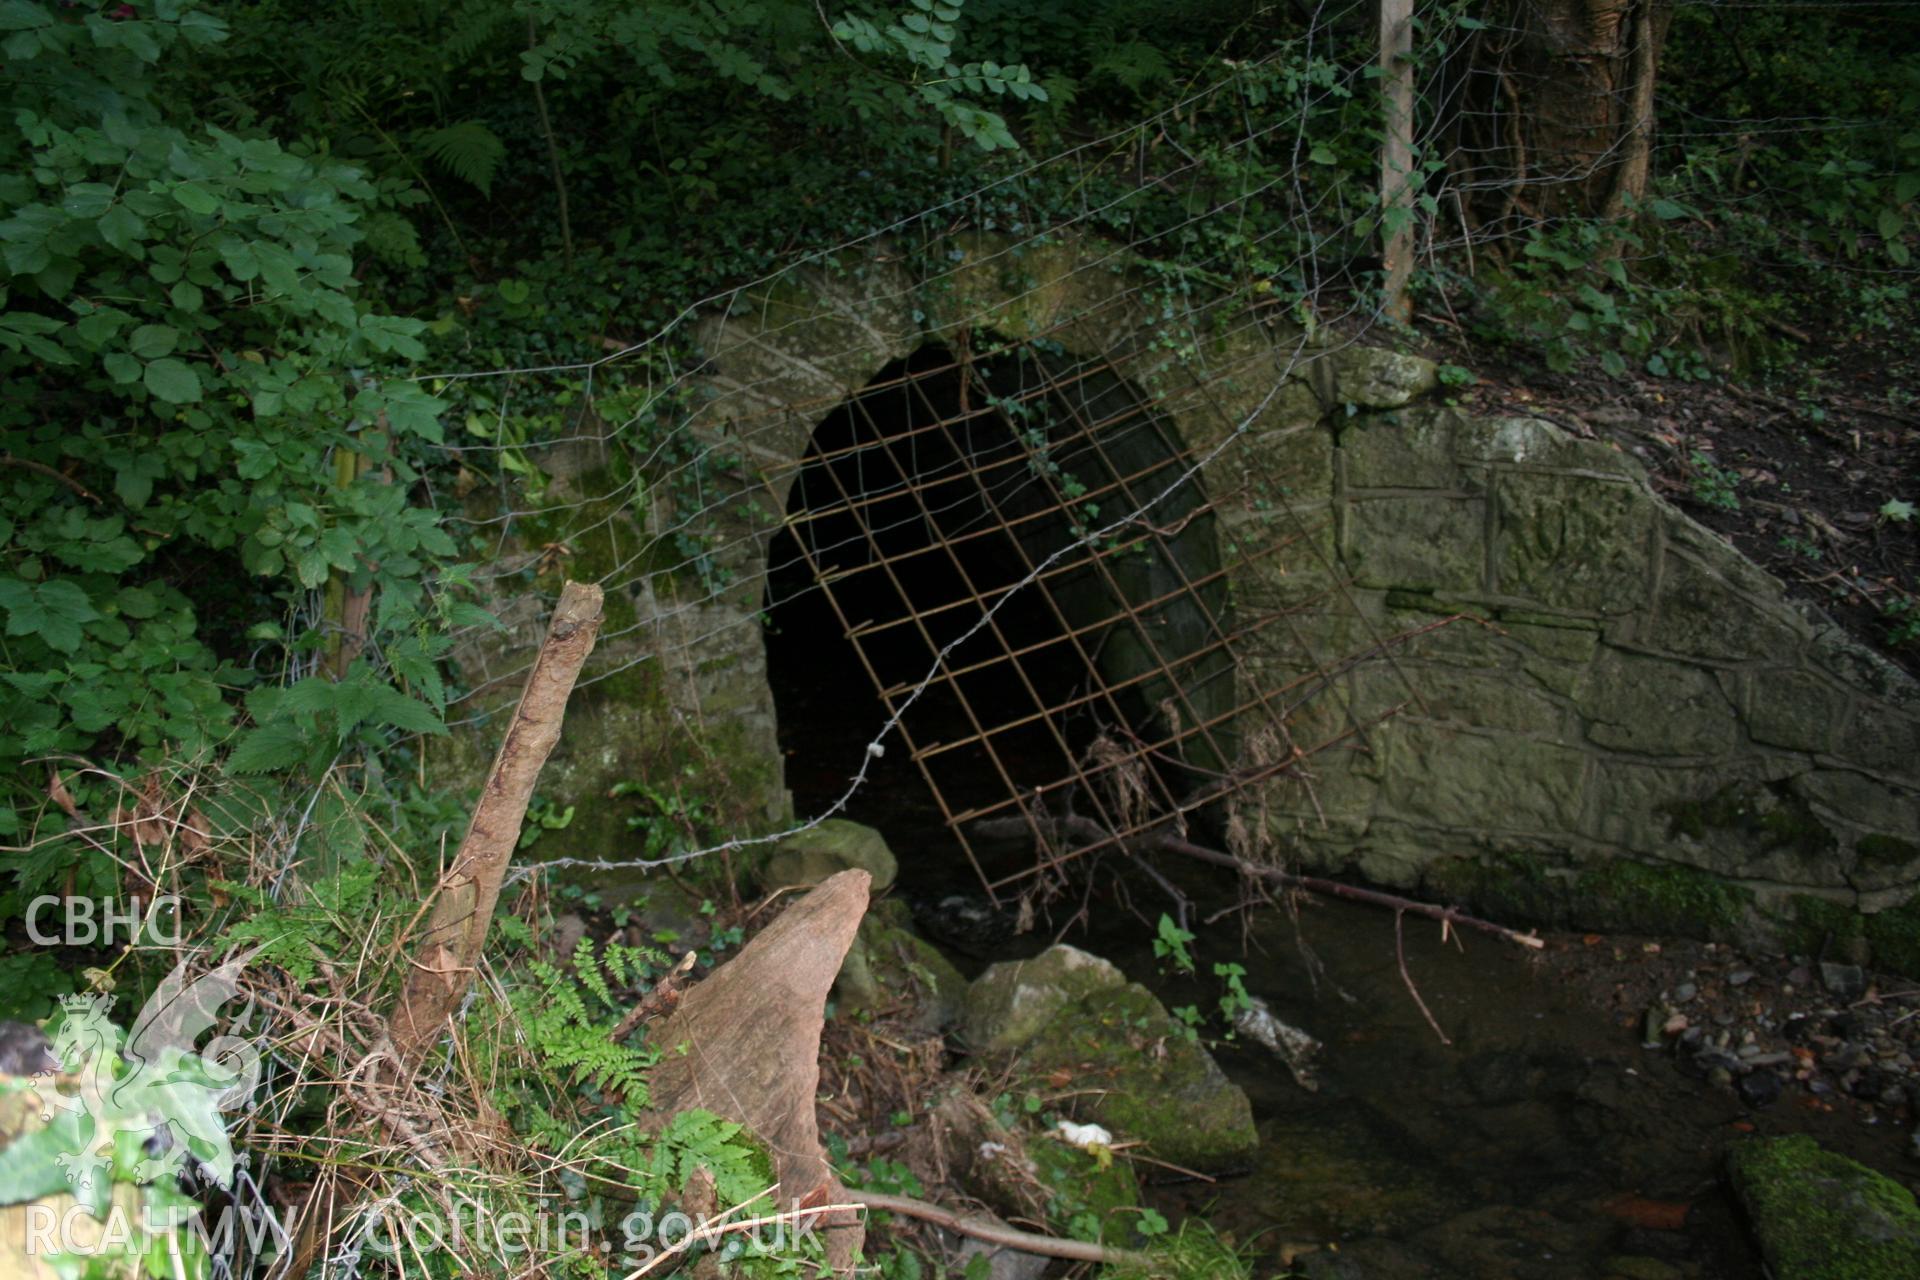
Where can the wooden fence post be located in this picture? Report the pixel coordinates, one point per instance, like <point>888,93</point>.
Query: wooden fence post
<point>1396,157</point>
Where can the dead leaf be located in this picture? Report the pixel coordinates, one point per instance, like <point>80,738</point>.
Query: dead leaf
<point>195,833</point>
<point>149,826</point>
<point>58,793</point>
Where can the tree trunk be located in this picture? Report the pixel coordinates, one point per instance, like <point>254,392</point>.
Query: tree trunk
<point>1558,113</point>
<point>463,901</point>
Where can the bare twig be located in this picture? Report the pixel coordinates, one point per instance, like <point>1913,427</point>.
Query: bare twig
<point>1400,955</point>
<point>42,469</point>
<point>999,1233</point>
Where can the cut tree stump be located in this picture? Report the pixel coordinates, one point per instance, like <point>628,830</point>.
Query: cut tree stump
<point>752,1037</point>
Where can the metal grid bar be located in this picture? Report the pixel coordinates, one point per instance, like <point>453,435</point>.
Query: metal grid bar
<point>934,439</point>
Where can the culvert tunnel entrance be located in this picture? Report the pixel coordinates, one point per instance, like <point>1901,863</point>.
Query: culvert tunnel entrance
<point>1007,551</point>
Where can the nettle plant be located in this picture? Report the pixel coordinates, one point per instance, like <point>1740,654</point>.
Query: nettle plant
<point>202,421</point>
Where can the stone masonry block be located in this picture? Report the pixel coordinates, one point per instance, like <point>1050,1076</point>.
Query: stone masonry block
<point>1427,543</point>
<point>1794,709</point>
<point>1439,776</point>
<point>1573,542</point>
<point>1703,612</point>
<point>1657,707</point>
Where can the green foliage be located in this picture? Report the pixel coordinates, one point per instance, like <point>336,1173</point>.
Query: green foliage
<point>569,1015</point>
<point>1901,618</point>
<point>1236,1001</point>
<point>1713,485</point>
<point>921,36</point>
<point>1190,1252</point>
<point>185,366</point>
<point>469,150</point>
<point>1173,944</point>
<point>30,984</point>
<point>150,1243</point>
<point>699,1139</point>
<point>671,823</point>
<point>1848,188</point>
<point>329,920</point>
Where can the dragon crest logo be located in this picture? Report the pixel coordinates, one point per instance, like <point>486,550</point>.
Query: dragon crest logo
<point>135,1112</point>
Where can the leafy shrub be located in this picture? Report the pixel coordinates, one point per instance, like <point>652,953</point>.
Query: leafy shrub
<point>205,423</point>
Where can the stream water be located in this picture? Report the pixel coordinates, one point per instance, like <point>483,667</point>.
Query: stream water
<point>1541,1141</point>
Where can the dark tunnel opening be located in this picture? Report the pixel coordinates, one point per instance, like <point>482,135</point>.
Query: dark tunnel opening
<point>920,502</point>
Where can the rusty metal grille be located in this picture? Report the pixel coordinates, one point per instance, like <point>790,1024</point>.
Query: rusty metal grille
<point>1021,537</point>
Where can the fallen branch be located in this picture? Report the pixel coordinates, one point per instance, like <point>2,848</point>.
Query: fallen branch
<point>462,904</point>
<point>994,1232</point>
<point>1159,841</point>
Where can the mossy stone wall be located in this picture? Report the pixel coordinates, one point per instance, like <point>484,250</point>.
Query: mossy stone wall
<point>1534,679</point>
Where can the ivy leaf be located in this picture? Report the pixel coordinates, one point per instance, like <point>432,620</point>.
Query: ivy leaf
<point>174,381</point>
<point>1898,510</point>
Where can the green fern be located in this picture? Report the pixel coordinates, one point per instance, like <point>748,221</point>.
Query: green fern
<point>331,922</point>
<point>472,26</point>
<point>699,1139</point>
<point>575,1038</point>
<point>1135,64</point>
<point>469,150</point>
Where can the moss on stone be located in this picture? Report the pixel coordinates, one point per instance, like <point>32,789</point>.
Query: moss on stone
<point>1821,1216</point>
<point>1809,924</point>
<point>1774,816</point>
<point>809,856</point>
<point>1512,886</point>
<point>1886,851</point>
<point>1016,1000</point>
<point>1644,897</point>
<point>602,542</point>
<point>891,969</point>
<point>1152,1083</point>
<point>1086,1198</point>
<point>1894,936</point>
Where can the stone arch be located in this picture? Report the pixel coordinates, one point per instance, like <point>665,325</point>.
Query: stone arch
<point>782,358</point>
<point>952,507</point>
